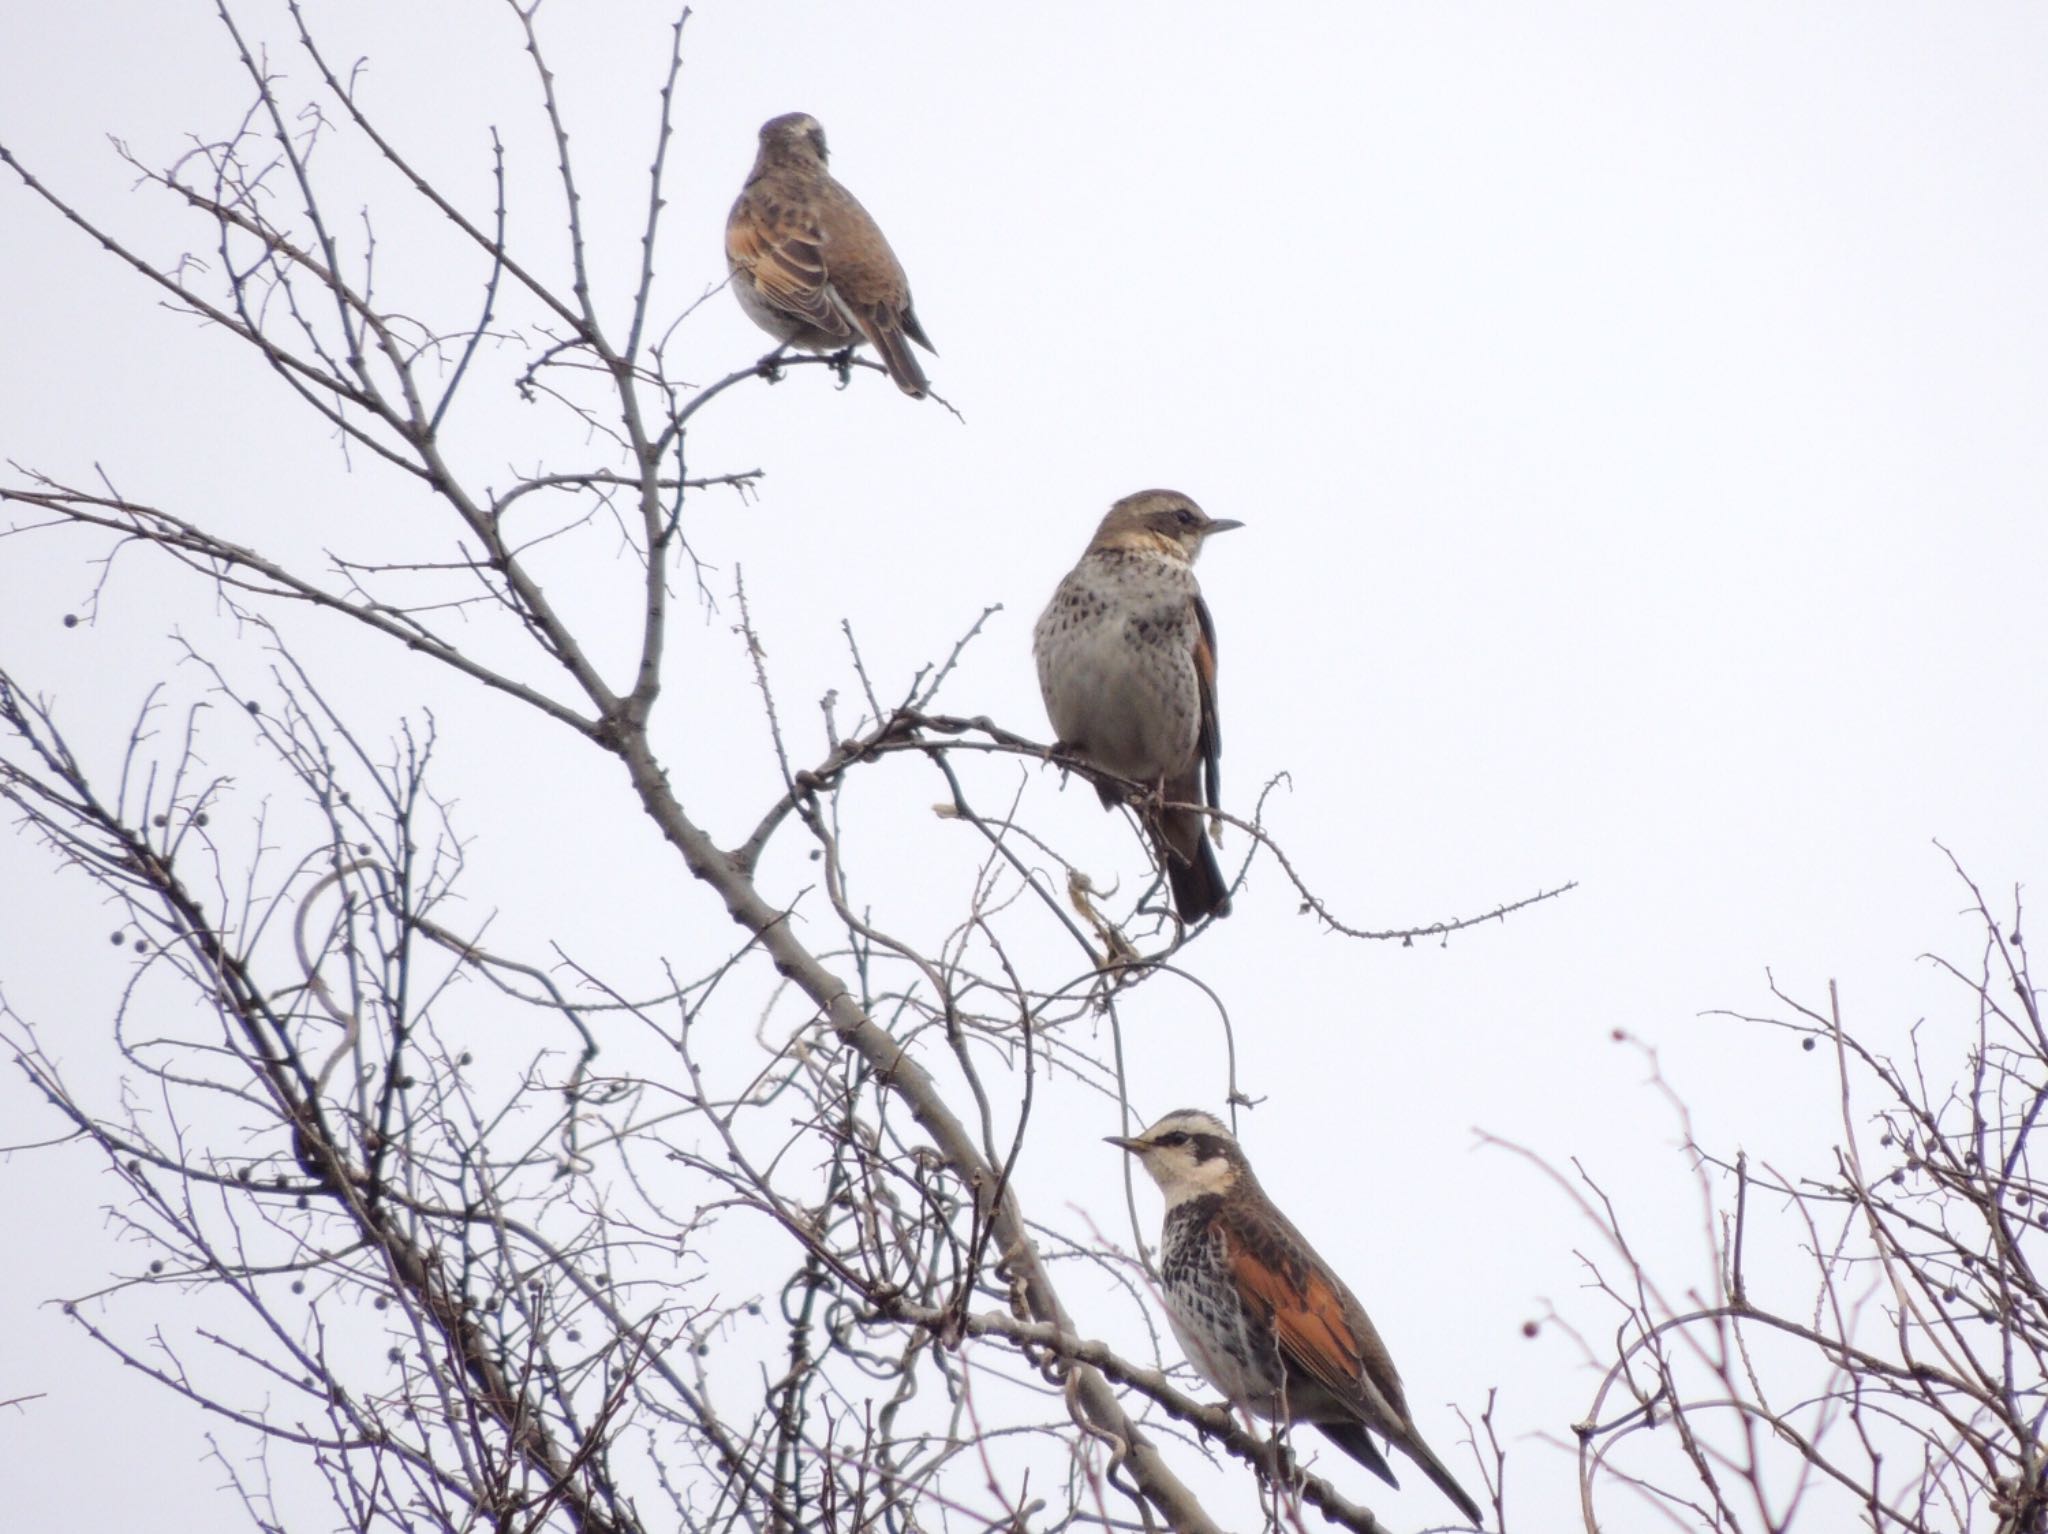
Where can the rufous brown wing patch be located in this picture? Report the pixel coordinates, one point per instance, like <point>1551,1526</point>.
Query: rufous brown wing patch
<point>787,265</point>
<point>1210,739</point>
<point>1308,1319</point>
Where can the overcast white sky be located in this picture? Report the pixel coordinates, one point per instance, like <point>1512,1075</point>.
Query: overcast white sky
<point>1637,416</point>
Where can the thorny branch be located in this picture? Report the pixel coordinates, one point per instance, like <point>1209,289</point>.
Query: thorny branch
<point>508,1233</point>
<point>1905,1379</point>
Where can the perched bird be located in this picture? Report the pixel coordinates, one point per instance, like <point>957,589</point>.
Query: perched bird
<point>809,265</point>
<point>1260,1314</point>
<point>1126,656</point>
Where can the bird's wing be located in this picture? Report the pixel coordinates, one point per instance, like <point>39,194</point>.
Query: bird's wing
<point>1329,1346</point>
<point>867,285</point>
<point>1323,1333</point>
<point>1210,739</point>
<point>914,328</point>
<point>782,249</point>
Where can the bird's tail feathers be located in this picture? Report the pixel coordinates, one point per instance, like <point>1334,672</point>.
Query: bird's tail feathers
<point>1446,1483</point>
<point>1355,1441</point>
<point>1196,878</point>
<point>897,356</point>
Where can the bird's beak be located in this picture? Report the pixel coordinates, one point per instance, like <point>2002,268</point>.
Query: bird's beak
<point>1221,525</point>
<point>1130,1143</point>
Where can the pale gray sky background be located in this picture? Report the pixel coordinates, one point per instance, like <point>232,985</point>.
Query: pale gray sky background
<point>1637,416</point>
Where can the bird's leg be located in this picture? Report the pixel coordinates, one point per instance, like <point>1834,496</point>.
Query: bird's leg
<point>1063,755</point>
<point>1156,800</point>
<point>770,366</point>
<point>1066,755</point>
<point>842,364</point>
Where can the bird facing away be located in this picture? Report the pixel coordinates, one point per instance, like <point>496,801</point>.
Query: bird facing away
<point>1260,1314</point>
<point>809,265</point>
<point>1126,656</point>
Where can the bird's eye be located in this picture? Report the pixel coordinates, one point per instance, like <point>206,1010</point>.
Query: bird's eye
<point>1184,517</point>
<point>1171,1137</point>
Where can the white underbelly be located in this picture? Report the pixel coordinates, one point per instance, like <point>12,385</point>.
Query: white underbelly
<point>1239,1384</point>
<point>1132,712</point>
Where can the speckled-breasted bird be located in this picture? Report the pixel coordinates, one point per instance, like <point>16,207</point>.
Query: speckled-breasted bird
<point>810,266</point>
<point>1126,656</point>
<point>1260,1314</point>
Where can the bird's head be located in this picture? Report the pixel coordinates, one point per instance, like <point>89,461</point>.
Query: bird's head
<point>1160,521</point>
<point>1189,1153</point>
<point>796,135</point>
